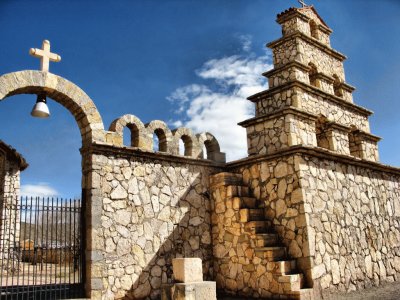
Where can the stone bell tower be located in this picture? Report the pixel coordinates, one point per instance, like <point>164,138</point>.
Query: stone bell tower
<point>308,101</point>
<point>310,210</point>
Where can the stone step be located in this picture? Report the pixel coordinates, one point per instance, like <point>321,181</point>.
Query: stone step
<point>291,282</point>
<point>237,191</point>
<point>225,178</point>
<point>254,227</point>
<point>283,267</point>
<point>251,214</point>
<point>266,239</point>
<point>302,294</point>
<point>244,202</point>
<point>271,253</point>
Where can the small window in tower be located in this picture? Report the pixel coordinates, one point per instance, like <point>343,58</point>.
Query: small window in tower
<point>320,130</point>
<point>354,143</point>
<point>312,75</point>
<point>314,29</point>
<point>337,86</point>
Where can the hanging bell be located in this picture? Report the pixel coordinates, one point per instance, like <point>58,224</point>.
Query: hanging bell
<point>40,109</point>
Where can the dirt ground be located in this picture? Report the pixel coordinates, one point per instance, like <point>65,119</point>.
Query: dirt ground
<point>38,274</point>
<point>389,291</point>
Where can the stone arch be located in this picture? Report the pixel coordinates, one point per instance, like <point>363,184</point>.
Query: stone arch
<point>189,140</point>
<point>313,74</point>
<point>136,127</point>
<point>337,86</point>
<point>62,91</point>
<point>314,29</point>
<point>354,142</point>
<point>91,127</point>
<point>212,146</point>
<point>320,131</point>
<point>163,133</point>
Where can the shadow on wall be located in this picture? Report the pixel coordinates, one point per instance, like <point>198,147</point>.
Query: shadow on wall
<point>153,211</point>
<point>190,238</point>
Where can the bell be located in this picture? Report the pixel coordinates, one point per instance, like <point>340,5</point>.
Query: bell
<point>40,109</point>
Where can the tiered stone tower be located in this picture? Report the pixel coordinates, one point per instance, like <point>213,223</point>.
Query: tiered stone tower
<point>310,209</point>
<point>308,102</point>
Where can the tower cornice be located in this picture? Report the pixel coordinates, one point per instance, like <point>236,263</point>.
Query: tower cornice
<point>341,57</point>
<point>284,111</point>
<point>301,113</point>
<point>311,89</point>
<point>306,68</point>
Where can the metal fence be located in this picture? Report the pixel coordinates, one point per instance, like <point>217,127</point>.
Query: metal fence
<point>41,256</point>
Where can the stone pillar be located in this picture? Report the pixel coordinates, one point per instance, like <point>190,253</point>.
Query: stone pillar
<point>188,274</point>
<point>364,145</point>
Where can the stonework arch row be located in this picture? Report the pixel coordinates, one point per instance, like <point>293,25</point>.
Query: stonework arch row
<point>142,136</point>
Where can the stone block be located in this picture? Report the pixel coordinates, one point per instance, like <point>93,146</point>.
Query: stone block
<point>206,290</point>
<point>217,156</point>
<point>187,270</point>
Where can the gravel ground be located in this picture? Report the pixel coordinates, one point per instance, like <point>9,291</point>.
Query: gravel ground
<point>389,291</point>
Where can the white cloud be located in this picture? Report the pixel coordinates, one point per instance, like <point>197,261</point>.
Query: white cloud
<point>220,103</point>
<point>41,189</point>
<point>246,42</point>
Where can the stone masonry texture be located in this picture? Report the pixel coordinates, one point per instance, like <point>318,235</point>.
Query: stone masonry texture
<point>309,212</point>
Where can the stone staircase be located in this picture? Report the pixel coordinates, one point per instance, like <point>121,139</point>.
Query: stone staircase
<point>287,283</point>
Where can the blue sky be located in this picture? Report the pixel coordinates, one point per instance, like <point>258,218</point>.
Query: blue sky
<point>185,62</point>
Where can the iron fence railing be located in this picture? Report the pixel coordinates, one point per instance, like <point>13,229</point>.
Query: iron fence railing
<point>41,256</point>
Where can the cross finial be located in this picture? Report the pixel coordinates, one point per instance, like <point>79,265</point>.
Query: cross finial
<point>303,4</point>
<point>45,55</point>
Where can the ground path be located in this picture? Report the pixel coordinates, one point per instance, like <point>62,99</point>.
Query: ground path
<point>389,291</point>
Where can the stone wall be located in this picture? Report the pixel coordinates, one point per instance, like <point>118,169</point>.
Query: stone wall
<point>353,223</point>
<point>340,221</point>
<point>153,208</point>
<point>9,199</point>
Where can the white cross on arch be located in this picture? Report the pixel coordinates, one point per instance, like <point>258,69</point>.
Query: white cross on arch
<point>45,55</point>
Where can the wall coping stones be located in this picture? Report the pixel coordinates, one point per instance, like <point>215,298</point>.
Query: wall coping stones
<point>367,136</point>
<point>131,152</point>
<point>315,152</point>
<point>314,90</point>
<point>347,87</point>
